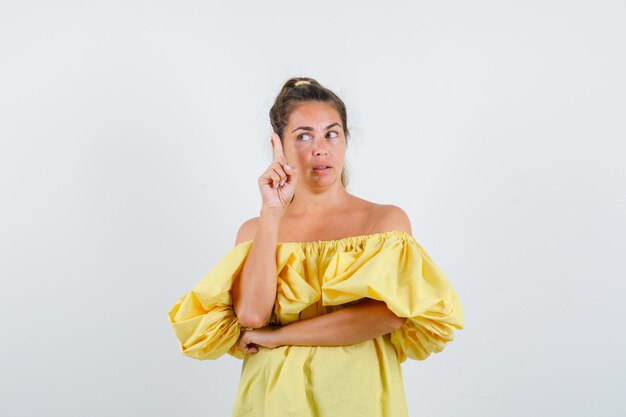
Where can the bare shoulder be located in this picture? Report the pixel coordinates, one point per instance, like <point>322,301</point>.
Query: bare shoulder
<point>388,217</point>
<point>247,230</point>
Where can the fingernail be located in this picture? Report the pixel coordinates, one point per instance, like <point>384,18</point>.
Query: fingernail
<point>288,167</point>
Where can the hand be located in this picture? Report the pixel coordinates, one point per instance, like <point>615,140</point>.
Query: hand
<point>250,340</point>
<point>278,182</point>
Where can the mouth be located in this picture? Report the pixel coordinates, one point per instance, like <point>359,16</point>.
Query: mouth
<point>321,169</point>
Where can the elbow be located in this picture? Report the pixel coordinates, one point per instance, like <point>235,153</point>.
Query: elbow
<point>252,320</point>
<point>397,322</point>
<point>252,316</point>
<point>393,321</point>
<point>388,318</point>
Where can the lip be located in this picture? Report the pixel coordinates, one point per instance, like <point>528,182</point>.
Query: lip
<point>322,163</point>
<point>321,171</point>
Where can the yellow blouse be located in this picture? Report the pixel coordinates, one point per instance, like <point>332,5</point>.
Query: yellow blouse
<point>315,278</point>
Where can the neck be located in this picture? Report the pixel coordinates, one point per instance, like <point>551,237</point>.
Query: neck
<point>312,202</point>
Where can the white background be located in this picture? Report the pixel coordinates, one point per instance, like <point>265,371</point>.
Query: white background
<point>133,133</point>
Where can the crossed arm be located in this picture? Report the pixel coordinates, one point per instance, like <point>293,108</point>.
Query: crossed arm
<point>362,321</point>
<point>357,323</point>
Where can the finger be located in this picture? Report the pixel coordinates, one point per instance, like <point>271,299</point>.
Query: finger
<point>277,147</point>
<point>279,155</point>
<point>283,168</point>
<point>291,173</point>
<point>280,172</point>
<point>270,177</point>
<point>275,178</point>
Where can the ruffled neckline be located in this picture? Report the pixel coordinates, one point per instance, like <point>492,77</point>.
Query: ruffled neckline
<point>348,240</point>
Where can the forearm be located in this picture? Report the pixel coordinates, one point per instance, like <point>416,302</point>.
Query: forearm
<point>254,291</point>
<point>354,324</point>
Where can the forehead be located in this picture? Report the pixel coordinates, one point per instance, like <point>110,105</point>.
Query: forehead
<point>314,114</point>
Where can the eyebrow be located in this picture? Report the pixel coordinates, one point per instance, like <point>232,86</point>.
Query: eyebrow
<point>310,128</point>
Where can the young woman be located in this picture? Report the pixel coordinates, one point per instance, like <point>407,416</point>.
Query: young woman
<point>325,293</point>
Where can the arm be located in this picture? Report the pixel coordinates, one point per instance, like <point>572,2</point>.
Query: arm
<point>254,290</point>
<point>354,324</point>
<point>362,321</point>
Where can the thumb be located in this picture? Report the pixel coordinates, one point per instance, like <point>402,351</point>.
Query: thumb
<point>291,171</point>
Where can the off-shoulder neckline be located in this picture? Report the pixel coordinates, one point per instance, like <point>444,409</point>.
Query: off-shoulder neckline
<point>358,238</point>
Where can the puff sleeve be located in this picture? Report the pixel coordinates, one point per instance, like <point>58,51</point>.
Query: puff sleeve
<point>400,272</point>
<point>203,319</point>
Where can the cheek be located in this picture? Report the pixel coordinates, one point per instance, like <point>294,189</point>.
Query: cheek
<point>340,150</point>
<point>294,156</point>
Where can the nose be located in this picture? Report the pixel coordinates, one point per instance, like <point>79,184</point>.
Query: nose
<point>320,147</point>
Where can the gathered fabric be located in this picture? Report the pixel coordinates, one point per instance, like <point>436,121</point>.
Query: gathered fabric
<point>316,278</point>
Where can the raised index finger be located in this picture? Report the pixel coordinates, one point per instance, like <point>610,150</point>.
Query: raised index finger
<point>277,147</point>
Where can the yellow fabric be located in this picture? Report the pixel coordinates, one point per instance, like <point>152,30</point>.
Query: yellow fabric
<point>316,278</point>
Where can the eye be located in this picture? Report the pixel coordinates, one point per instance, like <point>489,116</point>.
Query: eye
<point>333,132</point>
<point>302,135</point>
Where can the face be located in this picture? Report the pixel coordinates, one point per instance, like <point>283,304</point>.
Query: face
<point>314,136</point>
